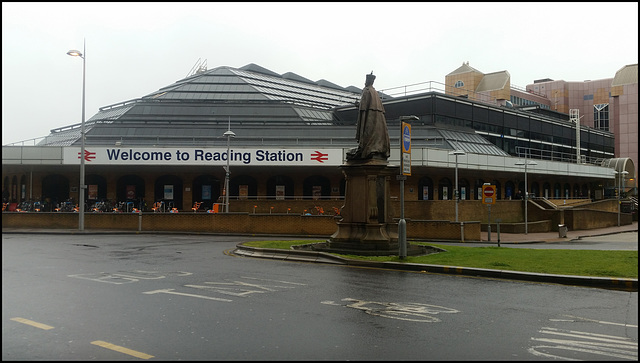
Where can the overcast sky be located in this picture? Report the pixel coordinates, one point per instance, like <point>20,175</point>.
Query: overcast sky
<point>133,49</point>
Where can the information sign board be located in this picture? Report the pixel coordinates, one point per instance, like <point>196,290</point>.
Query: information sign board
<point>406,148</point>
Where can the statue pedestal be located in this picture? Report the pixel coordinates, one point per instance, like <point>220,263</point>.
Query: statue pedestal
<point>366,227</point>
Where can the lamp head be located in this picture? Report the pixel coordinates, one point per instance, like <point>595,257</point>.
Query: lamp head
<point>75,53</point>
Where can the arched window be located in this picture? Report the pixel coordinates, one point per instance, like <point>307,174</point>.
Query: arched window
<point>459,84</point>
<point>478,188</point>
<point>509,190</point>
<point>463,185</point>
<point>425,188</point>
<point>546,190</point>
<point>445,189</point>
<point>535,190</point>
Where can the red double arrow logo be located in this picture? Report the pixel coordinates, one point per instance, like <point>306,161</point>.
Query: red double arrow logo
<point>320,157</point>
<point>88,156</point>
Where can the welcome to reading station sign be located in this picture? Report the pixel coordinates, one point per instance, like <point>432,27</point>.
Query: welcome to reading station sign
<point>204,156</point>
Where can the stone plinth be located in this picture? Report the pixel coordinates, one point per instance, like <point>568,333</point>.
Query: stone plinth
<point>367,226</point>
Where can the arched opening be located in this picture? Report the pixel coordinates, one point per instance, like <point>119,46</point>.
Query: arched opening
<point>316,187</point>
<point>584,191</point>
<point>131,189</point>
<point>23,187</point>
<point>5,190</point>
<point>463,185</point>
<point>546,190</point>
<point>96,188</point>
<point>445,190</point>
<point>243,187</point>
<point>168,189</point>
<point>280,187</point>
<point>498,189</point>
<point>55,189</point>
<point>477,188</point>
<point>535,190</point>
<point>576,190</point>
<point>425,188</point>
<point>206,190</point>
<point>509,190</point>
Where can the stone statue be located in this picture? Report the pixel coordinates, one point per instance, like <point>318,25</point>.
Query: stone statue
<point>371,132</point>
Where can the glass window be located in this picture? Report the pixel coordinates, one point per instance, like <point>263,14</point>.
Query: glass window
<point>601,116</point>
<point>459,84</point>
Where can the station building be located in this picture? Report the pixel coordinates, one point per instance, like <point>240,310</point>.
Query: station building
<point>283,137</point>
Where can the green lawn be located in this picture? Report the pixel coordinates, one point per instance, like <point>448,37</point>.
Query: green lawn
<point>620,264</point>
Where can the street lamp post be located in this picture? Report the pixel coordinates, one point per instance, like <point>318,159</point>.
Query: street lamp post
<point>229,134</point>
<point>456,192</point>
<point>621,175</point>
<point>76,53</point>
<point>526,192</point>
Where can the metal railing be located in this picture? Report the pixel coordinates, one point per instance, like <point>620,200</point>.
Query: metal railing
<point>540,154</point>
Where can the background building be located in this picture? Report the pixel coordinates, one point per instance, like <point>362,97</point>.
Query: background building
<point>291,134</point>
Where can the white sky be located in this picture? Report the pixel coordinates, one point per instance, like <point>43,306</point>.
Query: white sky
<point>133,49</point>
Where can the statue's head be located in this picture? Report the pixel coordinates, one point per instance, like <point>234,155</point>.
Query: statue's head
<point>370,79</point>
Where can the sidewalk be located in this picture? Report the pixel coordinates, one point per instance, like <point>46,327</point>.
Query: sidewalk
<point>554,236</point>
<point>504,237</point>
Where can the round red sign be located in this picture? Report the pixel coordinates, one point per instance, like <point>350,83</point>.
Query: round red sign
<point>489,191</point>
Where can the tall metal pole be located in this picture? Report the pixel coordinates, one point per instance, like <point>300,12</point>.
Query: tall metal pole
<point>82,186</point>
<point>621,174</point>
<point>405,147</point>
<point>229,134</point>
<point>619,187</point>
<point>456,191</point>
<point>402,224</point>
<point>526,192</point>
<point>526,198</point>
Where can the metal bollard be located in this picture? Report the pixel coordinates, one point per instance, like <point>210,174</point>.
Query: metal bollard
<point>462,231</point>
<point>139,221</point>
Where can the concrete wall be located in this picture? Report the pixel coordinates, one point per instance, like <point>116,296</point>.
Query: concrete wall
<point>232,223</point>
<point>425,220</point>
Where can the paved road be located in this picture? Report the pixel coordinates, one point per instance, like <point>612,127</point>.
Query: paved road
<point>187,297</point>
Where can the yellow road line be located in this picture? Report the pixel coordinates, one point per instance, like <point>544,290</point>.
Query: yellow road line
<point>120,349</point>
<point>32,323</point>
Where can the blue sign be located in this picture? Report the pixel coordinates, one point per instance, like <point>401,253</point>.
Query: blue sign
<point>406,138</point>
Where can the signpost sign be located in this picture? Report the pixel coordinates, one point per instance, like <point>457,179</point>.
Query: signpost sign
<point>489,197</point>
<point>488,194</point>
<point>406,148</point>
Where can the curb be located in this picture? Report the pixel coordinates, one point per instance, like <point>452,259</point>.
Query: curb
<point>324,257</point>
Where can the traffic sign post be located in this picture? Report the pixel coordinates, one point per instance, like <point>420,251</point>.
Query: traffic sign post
<point>488,194</point>
<point>405,166</point>
<point>489,198</point>
<point>406,148</point>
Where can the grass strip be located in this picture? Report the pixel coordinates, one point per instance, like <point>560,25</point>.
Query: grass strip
<point>597,263</point>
